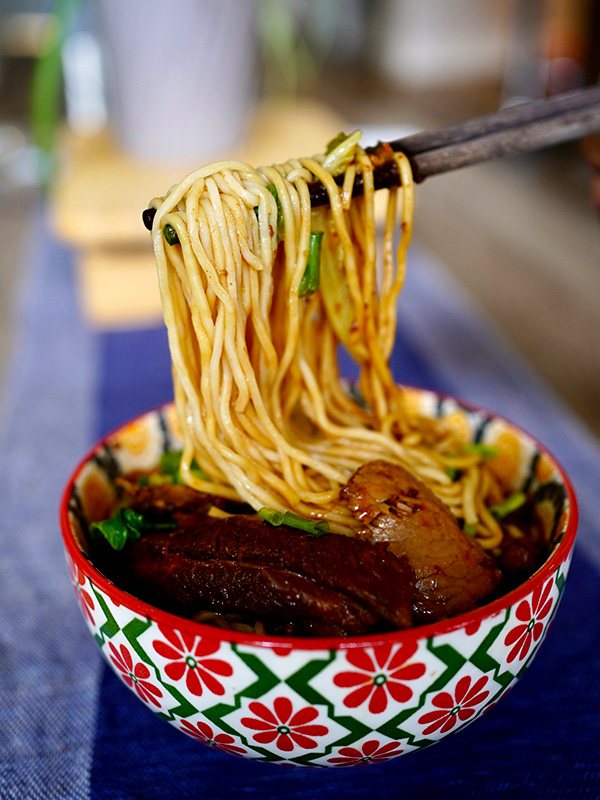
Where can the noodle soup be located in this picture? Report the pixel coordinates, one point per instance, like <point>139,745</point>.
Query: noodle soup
<point>250,671</point>
<point>291,557</point>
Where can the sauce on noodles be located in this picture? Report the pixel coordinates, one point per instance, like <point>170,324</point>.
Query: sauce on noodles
<point>262,406</point>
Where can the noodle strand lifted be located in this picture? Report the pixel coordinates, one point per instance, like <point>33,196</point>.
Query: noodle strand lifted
<point>260,401</point>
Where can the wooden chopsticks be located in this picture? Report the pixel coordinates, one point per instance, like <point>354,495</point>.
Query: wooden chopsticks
<point>520,128</point>
<point>516,129</point>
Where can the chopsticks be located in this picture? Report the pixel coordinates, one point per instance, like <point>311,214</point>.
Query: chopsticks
<point>520,128</point>
<point>515,129</point>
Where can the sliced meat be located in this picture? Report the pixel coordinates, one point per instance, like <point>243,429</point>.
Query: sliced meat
<point>164,576</point>
<point>364,571</point>
<point>165,497</point>
<point>452,572</point>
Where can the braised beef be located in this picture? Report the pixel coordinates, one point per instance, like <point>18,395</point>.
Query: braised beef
<point>324,584</point>
<point>367,572</point>
<point>164,497</point>
<point>186,585</point>
<point>452,572</point>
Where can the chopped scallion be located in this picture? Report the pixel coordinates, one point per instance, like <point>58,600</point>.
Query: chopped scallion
<point>512,503</point>
<point>312,274</point>
<point>170,467</point>
<point>277,518</point>
<point>470,529</point>
<point>314,527</point>
<point>335,142</point>
<point>280,222</point>
<point>484,450</point>
<point>453,473</point>
<point>271,515</point>
<point>170,234</point>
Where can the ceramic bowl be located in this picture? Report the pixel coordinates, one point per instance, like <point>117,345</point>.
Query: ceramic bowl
<point>321,702</point>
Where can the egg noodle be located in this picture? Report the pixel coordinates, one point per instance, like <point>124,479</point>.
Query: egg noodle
<point>260,400</point>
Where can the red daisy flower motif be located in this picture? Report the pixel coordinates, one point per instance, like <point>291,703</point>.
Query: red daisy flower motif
<point>380,672</point>
<point>530,614</point>
<point>188,654</point>
<point>284,726</point>
<point>222,741</point>
<point>134,676</point>
<point>371,752</point>
<point>460,707</point>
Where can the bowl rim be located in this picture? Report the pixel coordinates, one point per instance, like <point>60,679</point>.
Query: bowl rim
<point>406,635</point>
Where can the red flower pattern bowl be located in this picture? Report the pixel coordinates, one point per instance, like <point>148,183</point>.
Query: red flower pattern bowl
<point>321,702</point>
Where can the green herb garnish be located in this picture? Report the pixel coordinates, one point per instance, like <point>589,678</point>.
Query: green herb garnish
<point>335,142</point>
<point>312,274</point>
<point>170,469</point>
<point>512,503</point>
<point>280,222</point>
<point>314,527</point>
<point>170,465</point>
<point>484,450</point>
<point>170,234</point>
<point>271,515</point>
<point>126,527</point>
<point>470,529</point>
<point>341,151</point>
<point>277,518</point>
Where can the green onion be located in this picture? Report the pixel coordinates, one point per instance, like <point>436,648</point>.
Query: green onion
<point>453,473</point>
<point>271,515</point>
<point>277,518</point>
<point>512,503</point>
<point>335,142</point>
<point>470,529</point>
<point>158,479</point>
<point>316,528</point>
<point>342,153</point>
<point>310,280</point>
<point>197,471</point>
<point>170,466</point>
<point>280,222</point>
<point>484,450</point>
<point>170,234</point>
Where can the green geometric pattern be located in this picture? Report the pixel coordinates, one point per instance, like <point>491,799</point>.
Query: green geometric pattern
<point>288,706</point>
<point>315,707</point>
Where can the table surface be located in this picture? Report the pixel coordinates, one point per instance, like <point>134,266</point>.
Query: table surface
<point>71,729</point>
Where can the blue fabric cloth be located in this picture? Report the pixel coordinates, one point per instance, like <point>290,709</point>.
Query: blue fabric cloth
<point>68,726</point>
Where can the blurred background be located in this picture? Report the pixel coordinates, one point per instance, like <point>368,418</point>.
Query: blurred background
<point>104,104</point>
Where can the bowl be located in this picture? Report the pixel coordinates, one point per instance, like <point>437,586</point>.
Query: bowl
<point>321,702</point>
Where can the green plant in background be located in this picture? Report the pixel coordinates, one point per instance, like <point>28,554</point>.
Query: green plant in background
<point>46,87</point>
<point>295,40</point>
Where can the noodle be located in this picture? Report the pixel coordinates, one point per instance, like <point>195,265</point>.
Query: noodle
<point>260,401</point>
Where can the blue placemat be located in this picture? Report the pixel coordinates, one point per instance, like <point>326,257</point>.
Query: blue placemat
<point>69,728</point>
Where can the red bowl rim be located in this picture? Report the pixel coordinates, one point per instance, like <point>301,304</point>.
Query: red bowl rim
<point>168,620</point>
